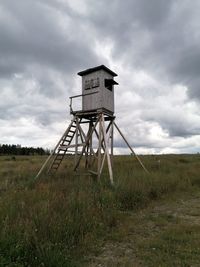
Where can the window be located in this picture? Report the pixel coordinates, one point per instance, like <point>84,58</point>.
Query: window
<point>109,84</point>
<point>92,83</point>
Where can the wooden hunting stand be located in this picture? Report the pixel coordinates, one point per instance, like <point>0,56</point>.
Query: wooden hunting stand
<point>90,133</point>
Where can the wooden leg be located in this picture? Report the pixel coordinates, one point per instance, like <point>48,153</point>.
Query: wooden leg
<point>139,160</point>
<point>99,148</point>
<point>107,151</point>
<point>76,142</point>
<point>85,137</point>
<point>104,157</point>
<point>90,149</point>
<point>86,143</point>
<point>111,145</point>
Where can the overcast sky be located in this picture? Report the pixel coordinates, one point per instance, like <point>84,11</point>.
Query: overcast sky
<point>153,46</point>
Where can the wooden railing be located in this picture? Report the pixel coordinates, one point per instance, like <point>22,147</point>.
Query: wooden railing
<point>75,96</point>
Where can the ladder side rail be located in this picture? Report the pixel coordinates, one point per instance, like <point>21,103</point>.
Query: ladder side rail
<point>52,153</point>
<point>61,142</point>
<point>60,149</point>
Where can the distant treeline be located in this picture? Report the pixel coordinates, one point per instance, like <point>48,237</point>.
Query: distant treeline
<point>20,150</point>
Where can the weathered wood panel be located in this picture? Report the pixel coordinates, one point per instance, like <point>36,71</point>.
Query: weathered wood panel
<point>95,82</point>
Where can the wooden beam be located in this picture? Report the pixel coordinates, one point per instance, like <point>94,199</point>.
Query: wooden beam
<point>64,148</point>
<point>76,142</point>
<point>104,156</point>
<point>107,151</point>
<point>131,148</point>
<point>91,151</point>
<point>84,147</point>
<point>99,148</point>
<point>52,153</point>
<point>111,145</point>
<point>83,134</point>
<point>87,148</point>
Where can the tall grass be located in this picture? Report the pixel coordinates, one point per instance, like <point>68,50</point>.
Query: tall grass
<point>55,220</point>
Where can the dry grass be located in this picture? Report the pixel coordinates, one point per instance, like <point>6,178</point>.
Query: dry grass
<point>58,220</point>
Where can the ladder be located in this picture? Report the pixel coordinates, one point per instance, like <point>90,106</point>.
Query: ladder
<point>63,146</point>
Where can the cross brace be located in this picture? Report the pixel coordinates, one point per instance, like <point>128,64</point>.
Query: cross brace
<point>95,138</point>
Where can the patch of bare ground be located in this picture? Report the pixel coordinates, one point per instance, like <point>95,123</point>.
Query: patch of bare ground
<point>160,235</point>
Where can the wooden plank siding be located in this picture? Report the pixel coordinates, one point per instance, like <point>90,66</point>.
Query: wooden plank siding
<point>104,98</point>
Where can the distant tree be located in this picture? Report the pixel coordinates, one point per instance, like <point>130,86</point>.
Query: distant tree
<point>19,150</point>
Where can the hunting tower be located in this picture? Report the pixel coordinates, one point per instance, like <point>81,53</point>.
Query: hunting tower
<point>90,133</point>
<point>99,79</point>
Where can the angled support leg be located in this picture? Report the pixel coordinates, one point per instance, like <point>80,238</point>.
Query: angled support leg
<point>76,141</point>
<point>99,148</point>
<point>131,148</point>
<point>85,145</point>
<point>107,151</point>
<point>104,156</point>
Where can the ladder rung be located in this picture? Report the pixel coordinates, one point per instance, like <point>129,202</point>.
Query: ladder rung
<point>63,149</point>
<point>92,172</point>
<point>68,136</point>
<point>67,140</point>
<point>65,144</point>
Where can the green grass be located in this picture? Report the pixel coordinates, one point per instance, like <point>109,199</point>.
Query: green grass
<point>62,220</point>
<point>176,246</point>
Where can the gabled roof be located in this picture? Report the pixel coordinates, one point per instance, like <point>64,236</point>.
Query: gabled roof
<point>101,67</point>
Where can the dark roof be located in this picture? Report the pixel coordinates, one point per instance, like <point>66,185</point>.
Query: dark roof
<point>101,67</point>
<point>110,82</point>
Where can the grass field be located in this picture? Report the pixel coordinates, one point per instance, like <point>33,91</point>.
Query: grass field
<point>70,220</point>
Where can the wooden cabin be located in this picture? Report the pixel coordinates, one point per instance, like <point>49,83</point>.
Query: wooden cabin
<point>98,89</point>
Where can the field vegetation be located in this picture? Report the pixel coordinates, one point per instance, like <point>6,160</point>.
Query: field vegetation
<point>67,219</point>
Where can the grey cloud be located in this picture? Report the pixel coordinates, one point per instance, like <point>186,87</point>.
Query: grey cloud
<point>159,36</point>
<point>34,45</point>
<point>118,143</point>
<point>176,127</point>
<point>175,122</point>
<point>47,42</point>
<point>32,35</point>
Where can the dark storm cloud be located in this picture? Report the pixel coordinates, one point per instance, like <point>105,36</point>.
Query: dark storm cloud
<point>30,34</point>
<point>43,45</point>
<point>159,36</point>
<point>124,22</point>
